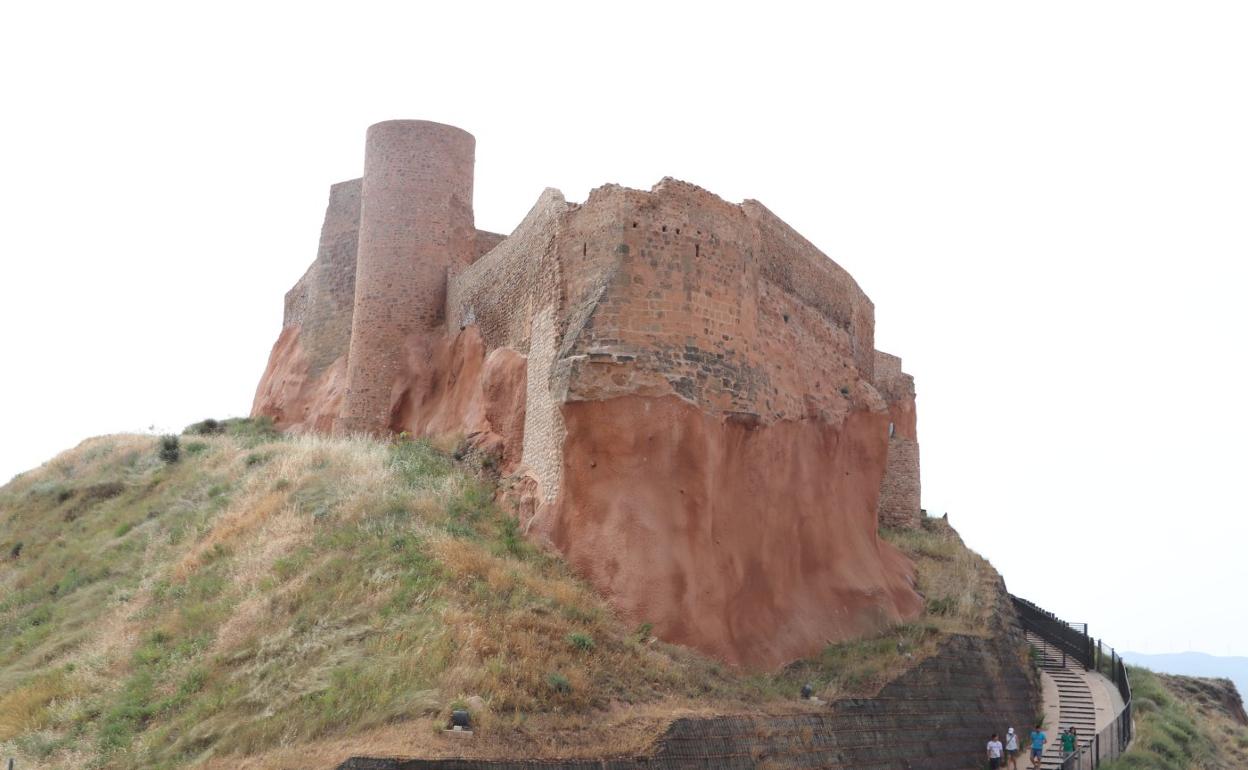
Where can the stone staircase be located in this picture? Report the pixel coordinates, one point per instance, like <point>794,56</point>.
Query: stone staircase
<point>1077,707</point>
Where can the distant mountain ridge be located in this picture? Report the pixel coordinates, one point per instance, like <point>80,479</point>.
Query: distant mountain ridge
<point>1234,668</point>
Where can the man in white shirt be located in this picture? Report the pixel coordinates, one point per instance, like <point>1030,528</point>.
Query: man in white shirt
<point>995,750</point>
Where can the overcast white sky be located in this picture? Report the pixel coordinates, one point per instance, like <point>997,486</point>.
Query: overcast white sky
<point>1047,203</point>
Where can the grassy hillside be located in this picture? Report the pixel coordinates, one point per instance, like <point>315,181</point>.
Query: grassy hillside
<point>262,601</point>
<point>1184,723</point>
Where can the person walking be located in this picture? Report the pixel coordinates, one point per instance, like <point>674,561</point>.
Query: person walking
<point>1038,739</point>
<point>1069,741</point>
<point>1011,748</point>
<point>995,752</point>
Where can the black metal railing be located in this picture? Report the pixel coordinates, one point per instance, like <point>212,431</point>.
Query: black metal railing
<point>1111,742</point>
<point>1072,639</point>
<point>1066,638</point>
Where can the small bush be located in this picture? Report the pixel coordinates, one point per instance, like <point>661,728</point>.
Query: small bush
<point>195,447</point>
<point>208,427</point>
<point>509,534</point>
<point>582,642</point>
<point>559,683</point>
<point>256,458</point>
<point>123,529</point>
<point>170,449</point>
<point>16,550</point>
<point>253,431</point>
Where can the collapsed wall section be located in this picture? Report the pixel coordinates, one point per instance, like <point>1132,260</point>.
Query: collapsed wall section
<point>302,383</point>
<point>325,330</point>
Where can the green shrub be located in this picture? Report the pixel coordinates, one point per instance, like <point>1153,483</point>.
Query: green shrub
<point>945,605</point>
<point>256,458</point>
<point>170,449</point>
<point>208,427</point>
<point>509,534</point>
<point>580,641</point>
<point>252,430</point>
<point>559,683</point>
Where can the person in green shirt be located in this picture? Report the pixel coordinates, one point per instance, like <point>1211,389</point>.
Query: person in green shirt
<point>1068,741</point>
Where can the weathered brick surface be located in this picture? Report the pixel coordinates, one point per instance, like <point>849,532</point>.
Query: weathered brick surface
<point>416,223</point>
<point>324,316</point>
<point>719,301</point>
<point>899,491</point>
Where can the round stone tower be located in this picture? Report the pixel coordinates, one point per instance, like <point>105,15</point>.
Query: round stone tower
<point>415,223</point>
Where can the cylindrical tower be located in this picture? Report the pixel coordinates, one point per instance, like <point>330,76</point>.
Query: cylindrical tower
<point>415,223</point>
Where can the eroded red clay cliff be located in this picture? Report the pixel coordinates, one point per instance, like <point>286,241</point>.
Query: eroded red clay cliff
<point>459,388</point>
<point>754,543</point>
<point>293,395</point>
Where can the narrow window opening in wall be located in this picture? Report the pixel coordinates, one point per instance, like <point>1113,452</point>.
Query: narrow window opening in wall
<point>892,429</point>
<point>664,228</point>
<point>697,249</point>
<point>584,249</point>
<point>678,231</point>
<point>786,317</point>
<point>634,224</point>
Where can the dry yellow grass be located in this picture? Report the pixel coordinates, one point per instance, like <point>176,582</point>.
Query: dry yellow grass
<point>266,600</point>
<point>29,707</point>
<point>960,586</point>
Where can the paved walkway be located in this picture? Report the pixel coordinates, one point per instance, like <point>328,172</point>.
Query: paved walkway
<point>1073,695</point>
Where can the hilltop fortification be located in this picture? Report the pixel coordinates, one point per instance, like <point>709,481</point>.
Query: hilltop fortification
<point>682,393</point>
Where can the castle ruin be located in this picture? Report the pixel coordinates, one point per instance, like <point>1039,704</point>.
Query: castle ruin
<point>682,394</point>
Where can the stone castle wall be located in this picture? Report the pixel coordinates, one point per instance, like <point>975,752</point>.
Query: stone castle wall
<point>680,389</point>
<point>691,292</point>
<point>328,302</point>
<point>416,223</point>
<point>512,296</point>
<point>900,503</point>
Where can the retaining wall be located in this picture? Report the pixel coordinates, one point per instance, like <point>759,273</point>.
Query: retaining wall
<point>938,716</point>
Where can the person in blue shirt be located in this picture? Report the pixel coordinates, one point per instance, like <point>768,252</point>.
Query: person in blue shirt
<point>1037,744</point>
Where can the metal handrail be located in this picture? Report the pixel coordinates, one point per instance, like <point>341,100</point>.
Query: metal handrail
<point>1057,632</point>
<point>1072,639</point>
